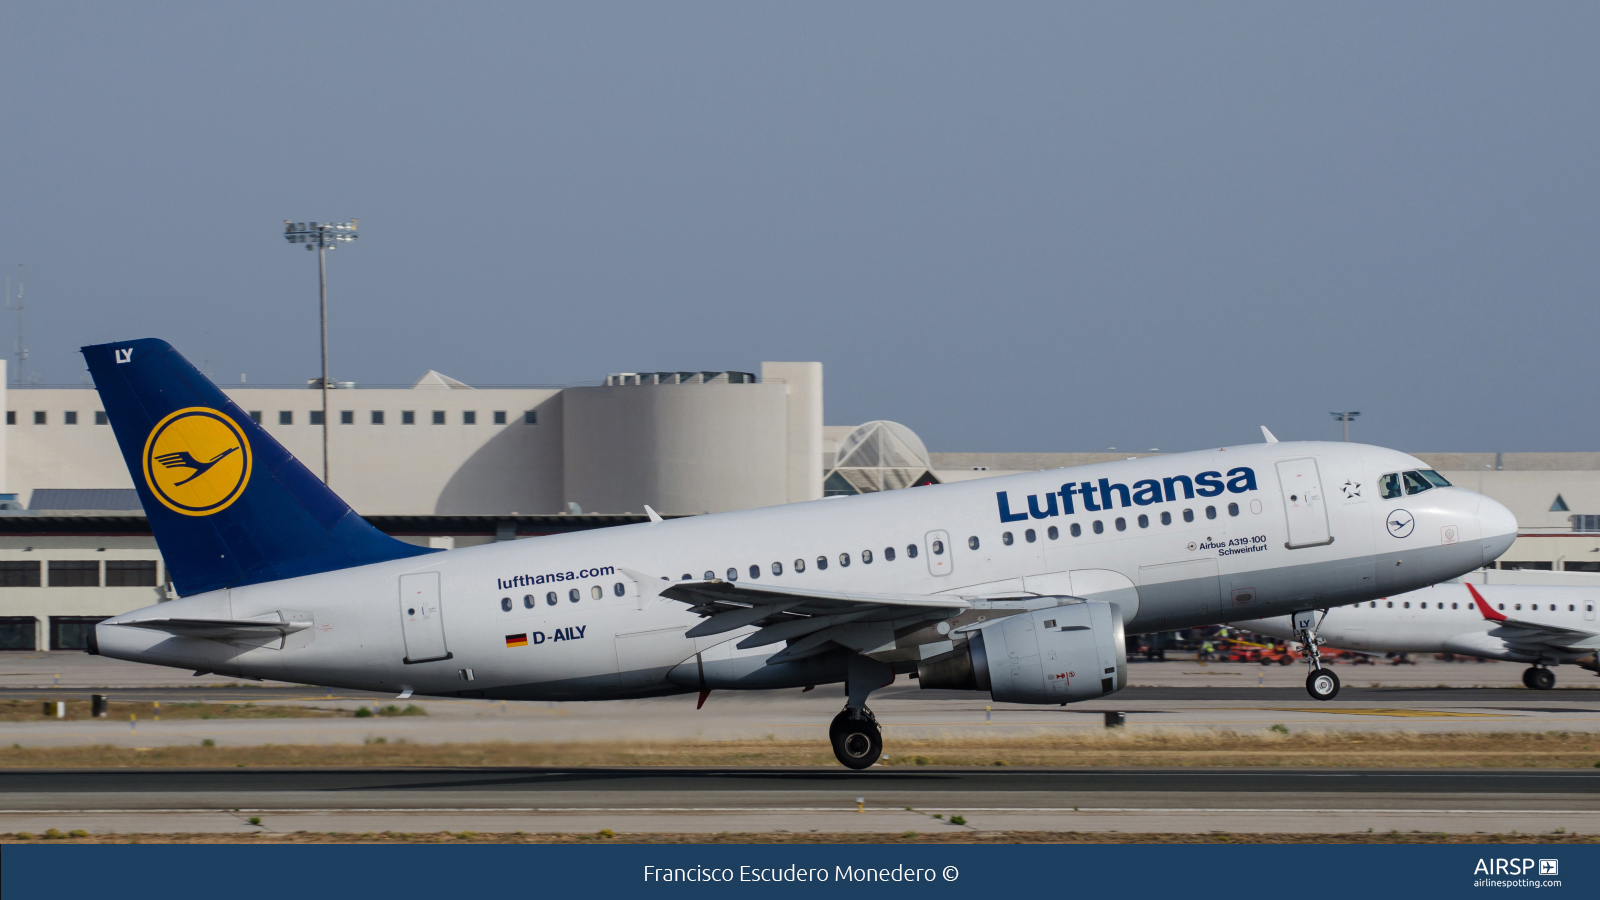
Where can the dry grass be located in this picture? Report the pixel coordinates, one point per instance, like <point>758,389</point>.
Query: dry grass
<point>78,710</point>
<point>1006,837</point>
<point>1509,750</point>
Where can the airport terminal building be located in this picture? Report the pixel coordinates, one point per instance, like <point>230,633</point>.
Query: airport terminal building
<point>444,464</point>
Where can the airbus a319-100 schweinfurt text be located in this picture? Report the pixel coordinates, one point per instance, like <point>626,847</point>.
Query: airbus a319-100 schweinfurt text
<point>1542,625</point>
<point>1022,586</point>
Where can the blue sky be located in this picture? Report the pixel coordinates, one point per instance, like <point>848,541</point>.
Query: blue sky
<point>1010,226</point>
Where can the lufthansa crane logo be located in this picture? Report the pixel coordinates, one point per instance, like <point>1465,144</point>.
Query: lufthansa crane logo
<point>1400,523</point>
<point>197,461</point>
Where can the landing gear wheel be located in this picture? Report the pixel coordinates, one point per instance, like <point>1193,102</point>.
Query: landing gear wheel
<point>1322,684</point>
<point>857,742</point>
<point>1539,678</point>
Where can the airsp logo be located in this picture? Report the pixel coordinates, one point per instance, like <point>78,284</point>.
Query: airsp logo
<point>196,461</point>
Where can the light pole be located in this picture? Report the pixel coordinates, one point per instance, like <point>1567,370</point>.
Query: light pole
<point>322,237</point>
<point>1345,417</point>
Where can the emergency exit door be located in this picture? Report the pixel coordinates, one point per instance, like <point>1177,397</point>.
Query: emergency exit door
<point>936,545</point>
<point>422,617</point>
<point>1303,503</point>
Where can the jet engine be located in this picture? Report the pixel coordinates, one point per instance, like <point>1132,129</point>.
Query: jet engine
<point>1057,655</point>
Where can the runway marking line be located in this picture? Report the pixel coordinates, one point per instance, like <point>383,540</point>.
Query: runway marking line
<point>788,809</point>
<point>1416,713</point>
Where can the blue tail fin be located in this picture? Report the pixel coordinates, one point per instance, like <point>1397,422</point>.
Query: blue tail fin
<point>229,505</point>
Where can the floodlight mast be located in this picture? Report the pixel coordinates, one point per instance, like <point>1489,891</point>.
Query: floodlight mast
<point>1345,417</point>
<point>322,237</point>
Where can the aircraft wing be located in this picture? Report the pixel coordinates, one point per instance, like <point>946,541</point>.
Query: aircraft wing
<point>1534,634</point>
<point>219,629</point>
<point>809,620</point>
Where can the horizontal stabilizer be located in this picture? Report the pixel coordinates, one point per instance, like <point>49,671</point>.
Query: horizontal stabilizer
<point>218,629</point>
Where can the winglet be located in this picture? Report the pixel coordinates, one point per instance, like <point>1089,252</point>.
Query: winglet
<point>1483,607</point>
<point>654,516</point>
<point>1268,435</point>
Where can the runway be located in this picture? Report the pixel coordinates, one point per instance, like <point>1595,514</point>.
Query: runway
<point>798,800</point>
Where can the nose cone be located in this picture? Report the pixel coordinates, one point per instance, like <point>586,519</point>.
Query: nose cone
<point>1497,526</point>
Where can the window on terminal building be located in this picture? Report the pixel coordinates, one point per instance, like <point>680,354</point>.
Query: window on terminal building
<point>23,573</point>
<point>499,417</point>
<point>377,417</point>
<point>1538,565</point>
<point>70,417</point>
<point>438,417</point>
<point>255,414</point>
<point>316,417</point>
<point>285,417</point>
<point>347,417</point>
<point>40,417</point>
<point>72,632</point>
<point>74,573</point>
<point>131,573</point>
<point>531,417</point>
<point>408,417</point>
<point>11,417</point>
<point>469,417</point>
<point>18,632</point>
<point>100,417</point>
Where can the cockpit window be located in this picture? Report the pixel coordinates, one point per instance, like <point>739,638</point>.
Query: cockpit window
<point>1389,486</point>
<point>1435,477</point>
<point>1415,483</point>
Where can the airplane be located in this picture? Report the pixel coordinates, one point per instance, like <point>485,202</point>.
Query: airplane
<point>1022,586</point>
<point>1544,625</point>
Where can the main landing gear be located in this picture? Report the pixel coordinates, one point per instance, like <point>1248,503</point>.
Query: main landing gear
<point>1538,678</point>
<point>1321,684</point>
<point>857,740</point>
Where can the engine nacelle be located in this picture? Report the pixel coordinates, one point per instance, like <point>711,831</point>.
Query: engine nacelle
<point>1057,655</point>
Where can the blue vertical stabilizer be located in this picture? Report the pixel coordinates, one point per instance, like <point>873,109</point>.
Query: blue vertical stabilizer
<point>229,505</point>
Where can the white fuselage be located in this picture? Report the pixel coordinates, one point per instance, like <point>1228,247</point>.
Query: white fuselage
<point>595,629</point>
<point>1444,618</point>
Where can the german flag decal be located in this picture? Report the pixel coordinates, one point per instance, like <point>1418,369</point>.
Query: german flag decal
<point>516,640</point>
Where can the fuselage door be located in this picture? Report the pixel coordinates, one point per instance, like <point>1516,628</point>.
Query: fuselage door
<point>1303,503</point>
<point>936,546</point>
<point>422,617</point>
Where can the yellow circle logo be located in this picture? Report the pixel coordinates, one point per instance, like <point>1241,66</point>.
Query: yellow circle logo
<point>196,461</point>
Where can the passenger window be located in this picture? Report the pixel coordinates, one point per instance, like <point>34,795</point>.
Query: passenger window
<point>572,595</point>
<point>1052,533</point>
<point>1122,524</point>
<point>619,589</point>
<point>1389,604</point>
<point>972,542</point>
<point>1415,483</point>
<point>911,551</point>
<point>597,592</point>
<point>550,599</point>
<point>1211,512</point>
<point>1233,509</point>
<point>1188,515</point>
<point>1437,479</point>
<point>866,557</point>
<point>1388,486</point>
<point>938,548</point>
<point>733,574</point>
<point>1098,527</point>
<point>710,575</point>
<point>505,603</point>
<point>1006,538</point>
<point>527,601</point>
<point>1030,535</point>
<point>1144,521</point>
<point>1077,529</point>
<point>1166,518</point>
<point>844,559</point>
<point>822,562</point>
<point>755,571</point>
<point>888,554</point>
<point>777,568</point>
<point>799,565</point>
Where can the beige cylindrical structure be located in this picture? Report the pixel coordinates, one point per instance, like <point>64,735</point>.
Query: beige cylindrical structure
<point>681,448</point>
<point>804,381</point>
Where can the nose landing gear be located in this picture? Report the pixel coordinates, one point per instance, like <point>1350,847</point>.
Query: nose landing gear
<point>1321,684</point>
<point>1538,678</point>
